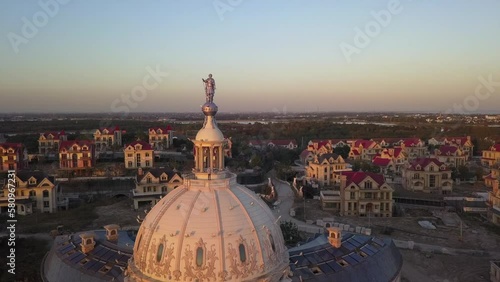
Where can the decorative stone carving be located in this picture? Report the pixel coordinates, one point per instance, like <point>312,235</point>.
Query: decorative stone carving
<point>205,272</point>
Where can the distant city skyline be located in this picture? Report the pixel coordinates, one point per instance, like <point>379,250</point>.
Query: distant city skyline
<point>280,56</point>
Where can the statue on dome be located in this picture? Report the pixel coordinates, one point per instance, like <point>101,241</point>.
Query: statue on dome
<point>209,88</point>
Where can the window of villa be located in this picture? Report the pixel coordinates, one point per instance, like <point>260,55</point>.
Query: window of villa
<point>368,195</point>
<point>45,204</point>
<point>148,180</point>
<point>432,181</point>
<point>32,181</point>
<point>45,193</point>
<point>159,254</point>
<point>368,185</point>
<point>353,195</point>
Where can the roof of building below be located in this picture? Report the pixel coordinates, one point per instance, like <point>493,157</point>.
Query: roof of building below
<point>106,262</point>
<point>360,258</point>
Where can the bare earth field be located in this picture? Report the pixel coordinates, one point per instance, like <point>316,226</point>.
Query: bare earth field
<point>429,266</point>
<point>120,213</point>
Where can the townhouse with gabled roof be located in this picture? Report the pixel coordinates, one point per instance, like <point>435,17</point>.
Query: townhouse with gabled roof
<point>414,148</point>
<point>491,177</point>
<point>106,138</point>
<point>76,155</point>
<point>427,175</point>
<point>491,157</point>
<point>452,156</point>
<point>152,184</point>
<point>49,142</point>
<point>160,138</point>
<point>34,190</point>
<point>361,194</point>
<point>138,154</point>
<point>464,143</point>
<point>364,149</point>
<point>325,169</point>
<point>13,156</point>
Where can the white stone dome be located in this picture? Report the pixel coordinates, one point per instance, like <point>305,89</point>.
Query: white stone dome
<point>212,230</point>
<point>210,134</point>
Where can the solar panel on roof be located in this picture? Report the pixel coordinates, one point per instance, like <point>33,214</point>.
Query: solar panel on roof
<point>99,251</point>
<point>324,255</point>
<point>335,266</point>
<point>367,250</point>
<point>302,261</point>
<point>115,272</point>
<point>77,258</point>
<point>356,257</point>
<point>354,243</point>
<point>325,268</point>
<point>73,256</point>
<point>335,252</point>
<point>311,258</point>
<point>348,246</point>
<point>305,273</point>
<point>371,248</point>
<point>379,241</point>
<point>67,249</point>
<point>97,266</point>
<point>361,239</point>
<point>108,255</point>
<point>89,264</point>
<point>123,258</point>
<point>350,260</point>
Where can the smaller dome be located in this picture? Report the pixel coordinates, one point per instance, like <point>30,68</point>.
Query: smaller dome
<point>209,109</point>
<point>210,134</point>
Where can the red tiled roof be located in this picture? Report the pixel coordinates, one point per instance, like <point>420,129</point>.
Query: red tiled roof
<point>111,130</point>
<point>381,161</point>
<point>457,140</point>
<point>164,130</point>
<point>54,133</point>
<point>364,143</point>
<point>446,150</point>
<point>411,142</point>
<point>424,162</point>
<point>357,177</point>
<point>69,144</point>
<point>145,145</point>
<point>15,146</point>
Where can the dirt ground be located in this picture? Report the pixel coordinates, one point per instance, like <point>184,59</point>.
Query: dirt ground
<point>419,266</point>
<point>120,213</point>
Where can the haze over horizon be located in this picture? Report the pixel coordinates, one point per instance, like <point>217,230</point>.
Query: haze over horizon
<point>265,56</point>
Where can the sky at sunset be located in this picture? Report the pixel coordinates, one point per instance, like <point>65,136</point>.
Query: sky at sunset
<point>92,55</point>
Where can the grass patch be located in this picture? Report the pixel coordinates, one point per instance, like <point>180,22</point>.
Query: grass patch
<point>74,220</point>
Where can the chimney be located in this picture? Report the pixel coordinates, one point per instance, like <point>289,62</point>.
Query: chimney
<point>87,243</point>
<point>334,237</point>
<point>139,171</point>
<point>343,181</point>
<point>112,232</point>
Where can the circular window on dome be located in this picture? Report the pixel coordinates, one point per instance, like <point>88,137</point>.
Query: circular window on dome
<point>243,253</point>
<point>199,257</point>
<point>159,254</point>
